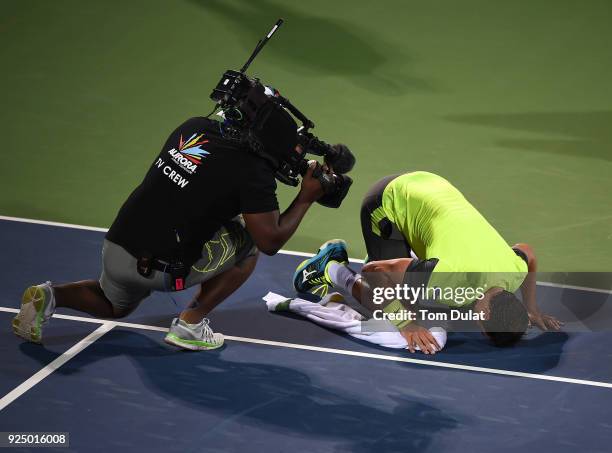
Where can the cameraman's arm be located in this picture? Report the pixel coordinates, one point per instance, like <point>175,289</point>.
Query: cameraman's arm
<point>271,231</point>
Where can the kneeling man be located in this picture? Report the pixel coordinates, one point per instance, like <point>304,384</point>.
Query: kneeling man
<point>420,231</point>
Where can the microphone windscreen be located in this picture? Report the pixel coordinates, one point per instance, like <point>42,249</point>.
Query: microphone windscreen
<point>342,159</point>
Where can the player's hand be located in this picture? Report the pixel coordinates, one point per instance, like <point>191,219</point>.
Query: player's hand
<point>543,321</point>
<point>311,189</point>
<point>416,335</point>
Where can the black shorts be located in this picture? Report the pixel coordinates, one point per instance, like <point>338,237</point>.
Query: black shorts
<point>390,243</point>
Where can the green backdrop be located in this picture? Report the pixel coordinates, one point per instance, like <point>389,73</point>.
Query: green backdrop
<point>511,101</point>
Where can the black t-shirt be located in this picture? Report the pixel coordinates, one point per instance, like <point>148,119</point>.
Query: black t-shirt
<point>198,182</point>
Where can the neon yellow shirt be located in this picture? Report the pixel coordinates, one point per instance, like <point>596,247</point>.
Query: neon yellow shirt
<point>438,222</point>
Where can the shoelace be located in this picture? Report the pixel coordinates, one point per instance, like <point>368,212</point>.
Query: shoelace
<point>206,330</point>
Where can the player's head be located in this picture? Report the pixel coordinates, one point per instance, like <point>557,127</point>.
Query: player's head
<point>507,319</point>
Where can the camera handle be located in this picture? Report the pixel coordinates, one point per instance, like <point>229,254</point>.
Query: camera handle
<point>328,182</point>
<point>335,187</point>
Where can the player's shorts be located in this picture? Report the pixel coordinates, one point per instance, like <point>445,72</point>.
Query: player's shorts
<point>125,288</point>
<point>389,243</point>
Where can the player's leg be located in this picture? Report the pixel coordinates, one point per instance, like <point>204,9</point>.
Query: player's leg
<point>328,269</point>
<point>382,238</point>
<point>376,274</point>
<point>330,265</point>
<point>384,245</point>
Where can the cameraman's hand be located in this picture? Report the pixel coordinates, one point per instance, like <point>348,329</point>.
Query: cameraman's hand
<point>311,189</point>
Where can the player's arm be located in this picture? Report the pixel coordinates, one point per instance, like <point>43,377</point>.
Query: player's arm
<point>271,230</point>
<point>528,290</point>
<point>389,273</point>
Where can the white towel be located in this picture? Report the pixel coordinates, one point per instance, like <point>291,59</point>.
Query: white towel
<point>333,313</point>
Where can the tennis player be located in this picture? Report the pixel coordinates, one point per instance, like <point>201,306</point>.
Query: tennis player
<point>419,230</point>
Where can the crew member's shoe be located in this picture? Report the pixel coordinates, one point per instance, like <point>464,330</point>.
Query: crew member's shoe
<point>311,275</point>
<point>195,337</point>
<point>37,306</point>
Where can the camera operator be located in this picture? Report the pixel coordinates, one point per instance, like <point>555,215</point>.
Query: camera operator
<point>204,209</point>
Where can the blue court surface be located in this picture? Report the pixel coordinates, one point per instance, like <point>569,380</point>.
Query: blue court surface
<point>282,384</point>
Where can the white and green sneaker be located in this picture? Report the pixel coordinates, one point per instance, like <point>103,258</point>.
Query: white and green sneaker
<point>37,306</point>
<point>195,337</point>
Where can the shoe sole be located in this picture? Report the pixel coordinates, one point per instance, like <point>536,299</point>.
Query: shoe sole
<point>322,289</point>
<point>307,261</point>
<point>192,345</point>
<point>32,303</point>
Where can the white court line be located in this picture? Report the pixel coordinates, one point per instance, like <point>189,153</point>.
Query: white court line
<point>104,230</point>
<point>577,288</point>
<point>285,252</point>
<point>55,224</point>
<point>455,366</point>
<point>58,362</point>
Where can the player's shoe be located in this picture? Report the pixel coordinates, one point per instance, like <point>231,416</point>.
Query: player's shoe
<point>195,337</point>
<point>37,306</point>
<point>311,275</point>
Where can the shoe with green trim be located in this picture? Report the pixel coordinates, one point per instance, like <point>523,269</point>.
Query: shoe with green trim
<point>37,306</point>
<point>195,337</point>
<point>311,275</point>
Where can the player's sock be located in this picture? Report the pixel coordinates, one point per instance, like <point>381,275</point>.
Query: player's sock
<point>341,275</point>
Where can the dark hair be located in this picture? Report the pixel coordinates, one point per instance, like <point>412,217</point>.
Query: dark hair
<point>508,319</point>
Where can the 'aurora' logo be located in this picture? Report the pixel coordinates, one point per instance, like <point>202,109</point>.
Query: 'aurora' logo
<point>189,154</point>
